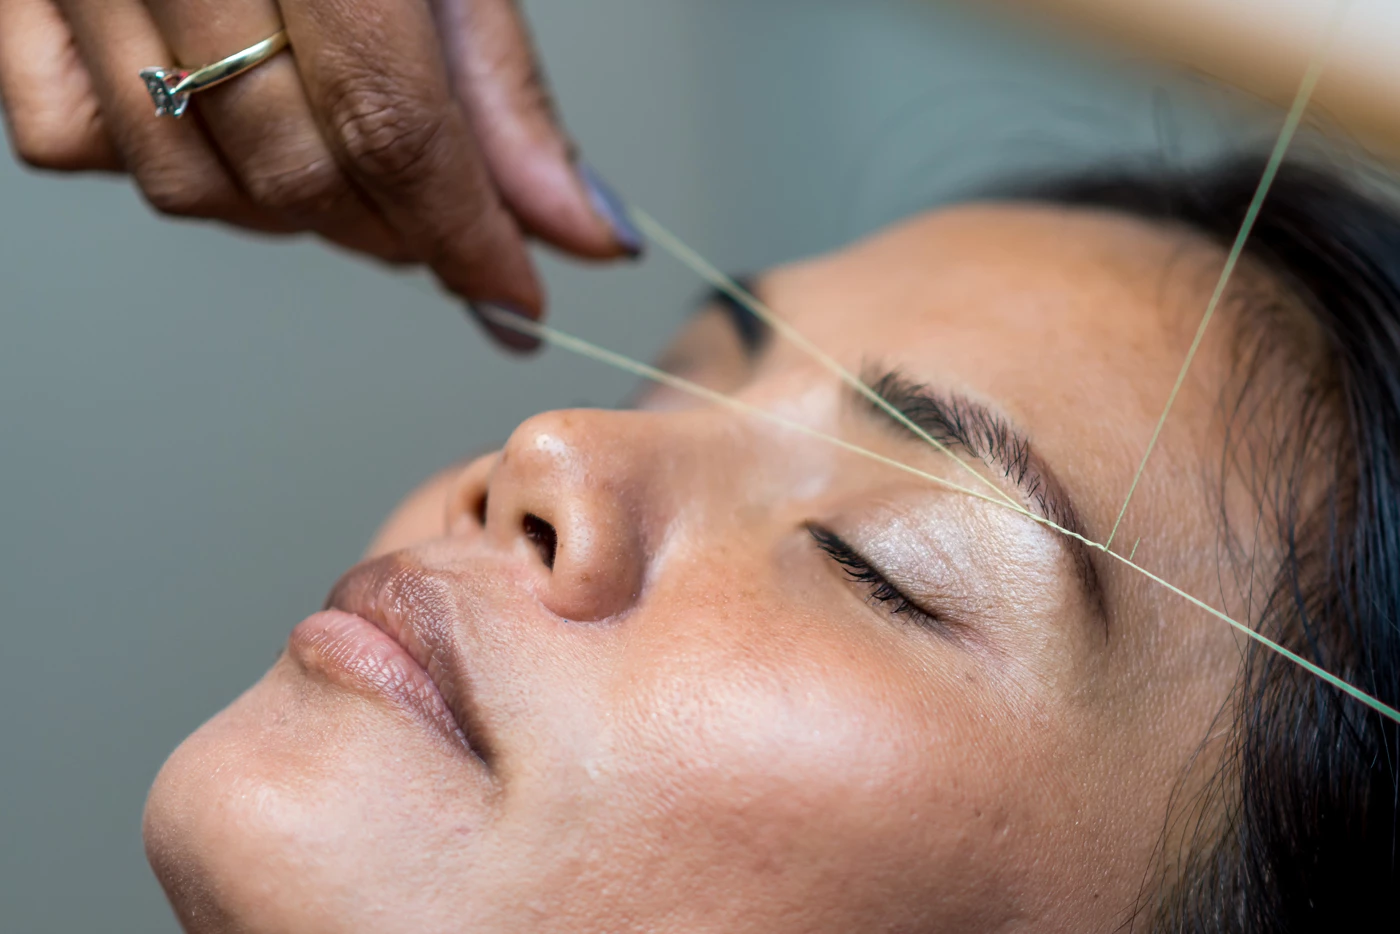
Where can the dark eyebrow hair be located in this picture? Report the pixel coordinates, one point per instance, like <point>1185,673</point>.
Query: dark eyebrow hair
<point>754,334</point>
<point>960,422</point>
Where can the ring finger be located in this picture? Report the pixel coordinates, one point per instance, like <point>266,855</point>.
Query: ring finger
<point>263,127</point>
<point>175,166</point>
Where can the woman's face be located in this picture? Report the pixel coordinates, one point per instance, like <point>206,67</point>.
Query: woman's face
<point>679,669</point>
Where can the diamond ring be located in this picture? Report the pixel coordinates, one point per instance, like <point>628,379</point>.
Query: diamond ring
<point>171,88</point>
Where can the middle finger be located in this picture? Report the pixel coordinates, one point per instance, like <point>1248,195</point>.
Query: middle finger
<point>262,124</point>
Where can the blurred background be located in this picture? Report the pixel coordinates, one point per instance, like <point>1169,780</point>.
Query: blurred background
<point>199,431</point>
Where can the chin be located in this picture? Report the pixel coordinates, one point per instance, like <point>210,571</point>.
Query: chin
<point>283,813</point>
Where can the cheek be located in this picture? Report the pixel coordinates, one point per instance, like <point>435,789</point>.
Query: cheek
<point>818,776</point>
<point>296,789</point>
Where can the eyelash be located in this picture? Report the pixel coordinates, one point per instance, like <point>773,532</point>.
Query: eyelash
<point>879,589</point>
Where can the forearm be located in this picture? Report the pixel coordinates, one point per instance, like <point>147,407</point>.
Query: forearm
<point>1264,47</point>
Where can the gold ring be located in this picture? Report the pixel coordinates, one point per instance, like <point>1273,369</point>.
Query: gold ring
<point>171,88</point>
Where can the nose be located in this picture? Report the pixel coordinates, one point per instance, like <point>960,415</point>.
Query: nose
<point>567,493</point>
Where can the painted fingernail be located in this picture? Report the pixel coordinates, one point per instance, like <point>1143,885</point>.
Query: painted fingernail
<point>504,324</point>
<point>611,208</point>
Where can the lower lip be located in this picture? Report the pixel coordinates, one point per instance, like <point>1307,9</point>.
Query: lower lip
<point>355,654</point>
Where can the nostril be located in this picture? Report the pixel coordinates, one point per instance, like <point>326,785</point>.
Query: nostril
<point>480,510</point>
<point>542,534</point>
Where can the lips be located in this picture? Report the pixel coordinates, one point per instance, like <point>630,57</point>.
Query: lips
<point>389,630</point>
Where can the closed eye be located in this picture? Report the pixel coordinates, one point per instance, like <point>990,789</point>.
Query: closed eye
<point>878,590</point>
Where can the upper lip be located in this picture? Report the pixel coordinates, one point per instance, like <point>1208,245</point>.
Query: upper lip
<point>417,608</point>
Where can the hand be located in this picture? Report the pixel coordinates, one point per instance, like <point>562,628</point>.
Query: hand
<point>411,130</point>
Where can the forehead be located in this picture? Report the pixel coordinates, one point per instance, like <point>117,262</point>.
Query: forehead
<point>1075,323</point>
<point>992,289</point>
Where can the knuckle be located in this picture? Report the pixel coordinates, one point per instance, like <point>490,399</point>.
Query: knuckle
<point>472,236</point>
<point>305,189</point>
<point>531,89</point>
<point>181,192</point>
<point>50,144</point>
<point>385,134</point>
<point>34,149</point>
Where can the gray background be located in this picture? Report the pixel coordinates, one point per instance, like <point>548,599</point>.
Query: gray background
<point>199,431</point>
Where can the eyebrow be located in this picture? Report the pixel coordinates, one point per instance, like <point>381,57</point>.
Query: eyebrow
<point>959,422</point>
<point>754,333</point>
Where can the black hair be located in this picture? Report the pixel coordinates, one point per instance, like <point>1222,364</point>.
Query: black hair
<point>1302,834</point>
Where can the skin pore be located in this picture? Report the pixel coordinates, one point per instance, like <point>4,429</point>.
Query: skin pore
<point>673,669</point>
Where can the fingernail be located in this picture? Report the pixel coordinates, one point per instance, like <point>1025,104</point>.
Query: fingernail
<point>611,208</point>
<point>497,319</point>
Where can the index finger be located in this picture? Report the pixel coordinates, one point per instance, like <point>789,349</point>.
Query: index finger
<point>378,85</point>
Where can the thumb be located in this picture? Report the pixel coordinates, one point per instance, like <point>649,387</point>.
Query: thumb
<point>498,78</point>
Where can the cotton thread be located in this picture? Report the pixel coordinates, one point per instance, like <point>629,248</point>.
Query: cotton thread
<point>1291,124</point>
<point>585,348</point>
<point>673,244</point>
